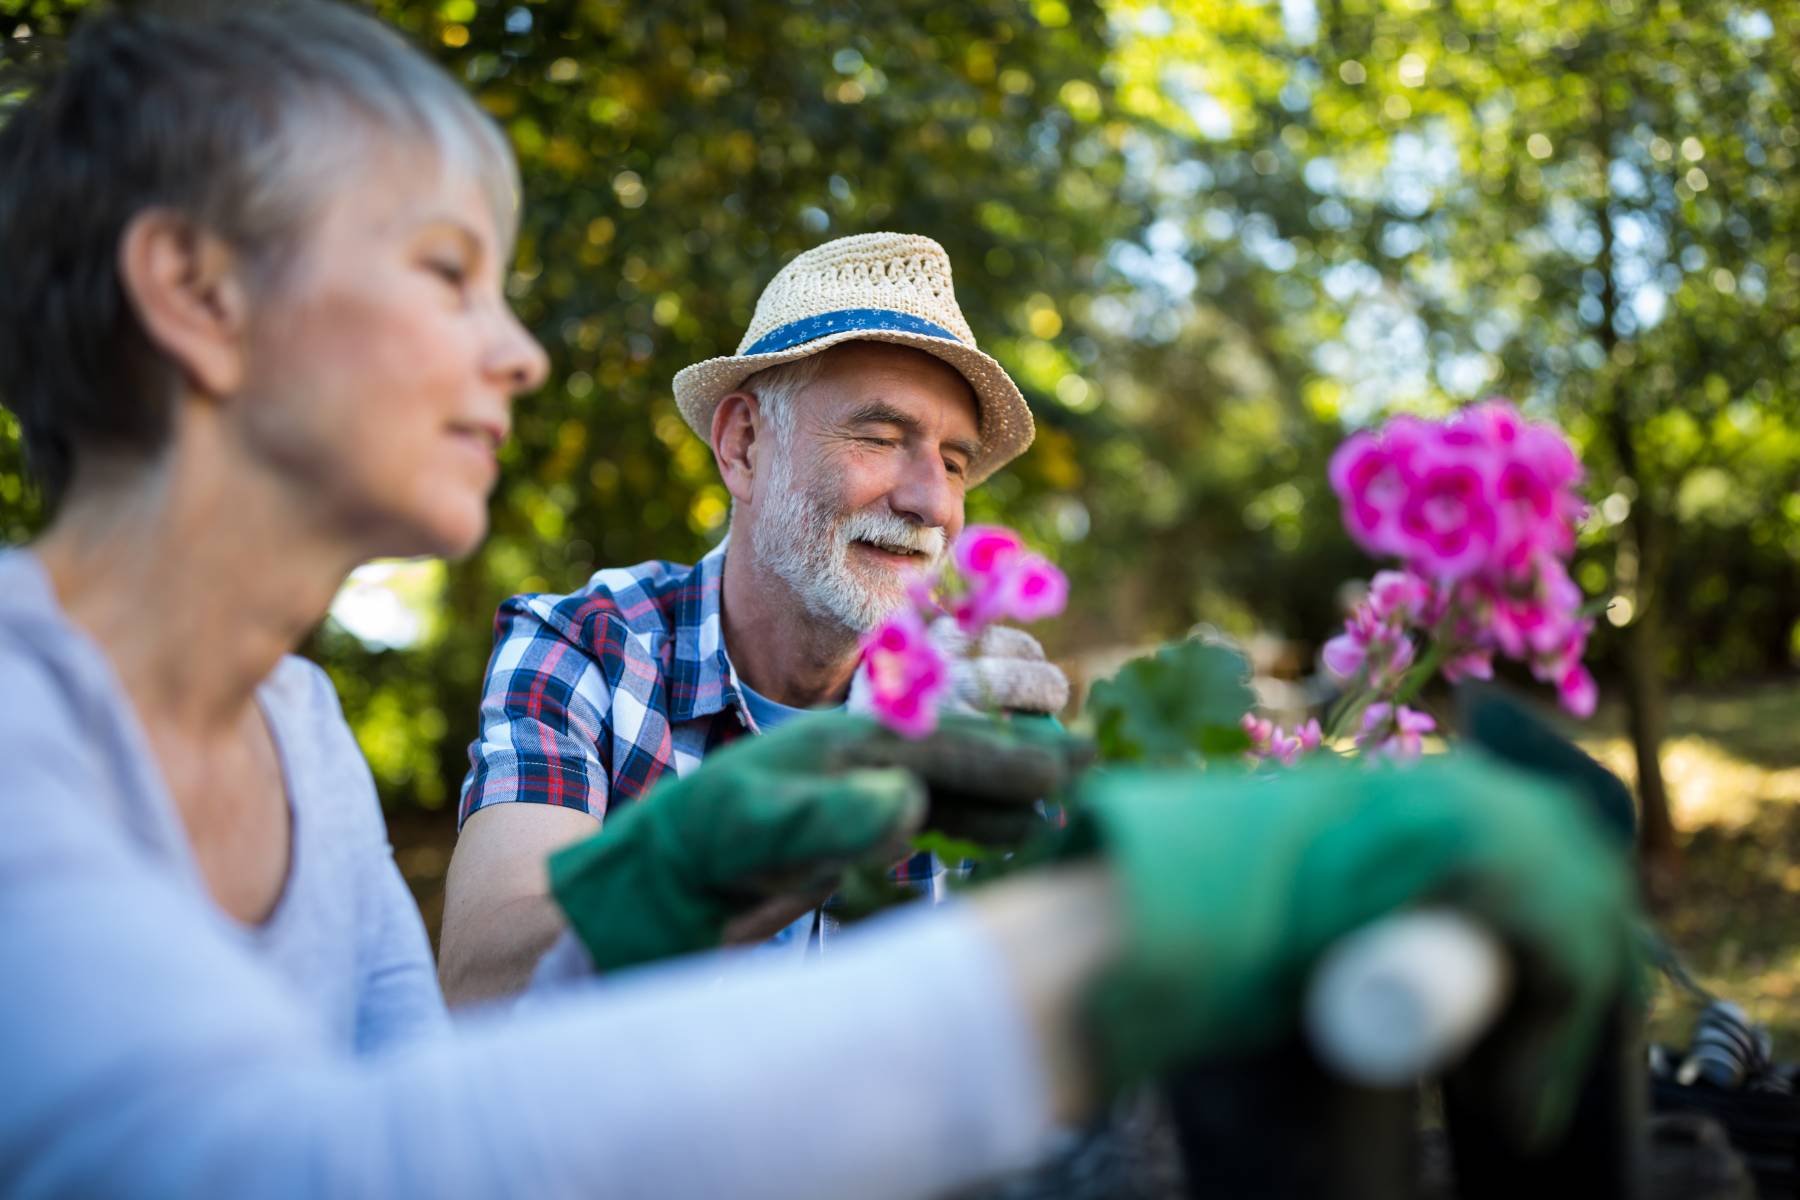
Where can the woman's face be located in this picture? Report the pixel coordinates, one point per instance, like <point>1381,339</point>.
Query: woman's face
<point>383,360</point>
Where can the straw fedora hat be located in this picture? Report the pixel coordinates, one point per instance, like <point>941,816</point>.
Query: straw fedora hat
<point>880,287</point>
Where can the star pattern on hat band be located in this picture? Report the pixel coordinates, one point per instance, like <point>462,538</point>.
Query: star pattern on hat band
<point>882,320</point>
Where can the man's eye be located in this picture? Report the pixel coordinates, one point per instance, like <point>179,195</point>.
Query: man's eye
<point>954,468</point>
<point>451,273</point>
<point>878,441</point>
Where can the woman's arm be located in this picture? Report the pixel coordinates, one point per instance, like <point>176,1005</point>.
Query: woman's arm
<point>153,1057</point>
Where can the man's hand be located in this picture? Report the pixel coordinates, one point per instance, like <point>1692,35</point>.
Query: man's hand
<point>1004,671</point>
<point>788,813</point>
<point>1232,886</point>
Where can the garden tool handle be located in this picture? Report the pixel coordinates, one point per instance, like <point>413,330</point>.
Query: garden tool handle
<point>1404,997</point>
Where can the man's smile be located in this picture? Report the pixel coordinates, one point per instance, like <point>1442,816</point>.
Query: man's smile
<point>891,553</point>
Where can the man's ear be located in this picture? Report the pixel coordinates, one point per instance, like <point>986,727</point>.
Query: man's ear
<point>734,443</point>
<point>185,285</point>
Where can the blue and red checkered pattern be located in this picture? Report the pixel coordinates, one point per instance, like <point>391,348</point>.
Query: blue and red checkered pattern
<point>594,696</point>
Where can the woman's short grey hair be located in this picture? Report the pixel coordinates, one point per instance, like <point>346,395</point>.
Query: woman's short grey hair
<point>243,116</point>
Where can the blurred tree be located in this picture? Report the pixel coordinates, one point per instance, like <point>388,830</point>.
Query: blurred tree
<point>1206,238</point>
<point>1591,207</point>
<point>674,157</point>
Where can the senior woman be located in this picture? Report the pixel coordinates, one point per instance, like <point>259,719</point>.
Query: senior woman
<point>253,331</point>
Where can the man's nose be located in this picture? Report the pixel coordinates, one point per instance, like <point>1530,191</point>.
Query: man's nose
<point>927,494</point>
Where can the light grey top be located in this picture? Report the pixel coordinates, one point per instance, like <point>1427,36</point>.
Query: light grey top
<point>155,1047</point>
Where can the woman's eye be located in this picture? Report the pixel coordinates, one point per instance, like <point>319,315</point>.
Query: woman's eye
<point>451,273</point>
<point>955,469</point>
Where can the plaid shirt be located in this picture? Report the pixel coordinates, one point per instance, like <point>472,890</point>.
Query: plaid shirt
<point>593,697</point>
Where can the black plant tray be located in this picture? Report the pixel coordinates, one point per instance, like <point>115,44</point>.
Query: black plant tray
<point>1764,1126</point>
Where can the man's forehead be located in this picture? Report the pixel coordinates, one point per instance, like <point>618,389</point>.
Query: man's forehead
<point>911,381</point>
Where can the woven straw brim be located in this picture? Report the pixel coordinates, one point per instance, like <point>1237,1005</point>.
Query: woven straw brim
<point>1006,424</point>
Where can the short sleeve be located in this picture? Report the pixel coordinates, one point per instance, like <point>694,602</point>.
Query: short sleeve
<point>544,709</point>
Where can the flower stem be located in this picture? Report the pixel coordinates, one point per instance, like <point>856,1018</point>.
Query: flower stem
<point>1421,672</point>
<point>1348,704</point>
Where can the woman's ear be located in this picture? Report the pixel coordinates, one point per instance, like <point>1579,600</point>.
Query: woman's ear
<point>734,443</point>
<point>187,290</point>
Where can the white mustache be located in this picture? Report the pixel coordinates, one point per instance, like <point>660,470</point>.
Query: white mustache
<point>889,530</point>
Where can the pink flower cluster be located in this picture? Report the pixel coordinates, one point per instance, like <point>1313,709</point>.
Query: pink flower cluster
<point>1485,493</point>
<point>1394,732</point>
<point>1269,741</point>
<point>907,673</point>
<point>1375,642</point>
<point>1481,511</point>
<point>996,578</point>
<point>1005,581</point>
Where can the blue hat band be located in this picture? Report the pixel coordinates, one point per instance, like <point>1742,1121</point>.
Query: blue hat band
<point>871,320</point>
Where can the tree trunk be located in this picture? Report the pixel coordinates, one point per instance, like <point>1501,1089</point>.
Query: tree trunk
<point>1645,707</point>
<point>1659,853</point>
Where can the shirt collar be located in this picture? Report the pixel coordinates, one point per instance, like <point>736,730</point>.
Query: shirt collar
<point>700,639</point>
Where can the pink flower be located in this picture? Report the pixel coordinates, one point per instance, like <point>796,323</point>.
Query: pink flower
<point>1259,729</point>
<point>1367,480</point>
<point>1448,520</point>
<point>1284,748</point>
<point>1369,645</point>
<point>921,592</point>
<point>1475,664</point>
<point>1548,453</point>
<point>1492,422</point>
<point>1528,520</point>
<point>1344,655</point>
<point>983,550</point>
<point>1561,665</point>
<point>1412,722</point>
<point>1406,742</point>
<point>1271,741</point>
<point>1375,717</point>
<point>1400,596</point>
<point>1004,580</point>
<point>1372,475</point>
<point>906,674</point>
<point>1577,691</point>
<point>1398,657</point>
<point>1481,510</point>
<point>1030,589</point>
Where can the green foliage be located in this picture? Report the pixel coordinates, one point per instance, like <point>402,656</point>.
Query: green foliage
<point>1176,707</point>
<point>674,157</point>
<point>1206,238</point>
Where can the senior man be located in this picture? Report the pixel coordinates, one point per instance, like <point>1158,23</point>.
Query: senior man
<point>847,428</point>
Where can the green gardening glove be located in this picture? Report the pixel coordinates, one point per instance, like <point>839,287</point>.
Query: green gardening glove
<point>1234,885</point>
<point>787,813</point>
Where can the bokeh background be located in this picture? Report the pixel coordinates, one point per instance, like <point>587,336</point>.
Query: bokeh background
<point>1207,239</point>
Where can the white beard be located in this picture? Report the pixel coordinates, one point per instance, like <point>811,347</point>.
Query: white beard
<point>805,540</point>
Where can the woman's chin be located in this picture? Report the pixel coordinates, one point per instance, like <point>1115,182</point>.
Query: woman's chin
<point>447,535</point>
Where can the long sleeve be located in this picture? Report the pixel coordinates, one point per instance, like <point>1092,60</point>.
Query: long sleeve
<point>150,1054</point>
<point>150,1058</point>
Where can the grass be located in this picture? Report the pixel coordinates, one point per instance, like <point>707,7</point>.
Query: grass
<point>1732,766</point>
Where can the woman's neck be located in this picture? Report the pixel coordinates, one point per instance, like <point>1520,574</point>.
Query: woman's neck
<point>192,578</point>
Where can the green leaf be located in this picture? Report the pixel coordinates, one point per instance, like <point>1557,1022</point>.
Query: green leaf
<point>1223,741</point>
<point>952,850</point>
<point>1177,706</point>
